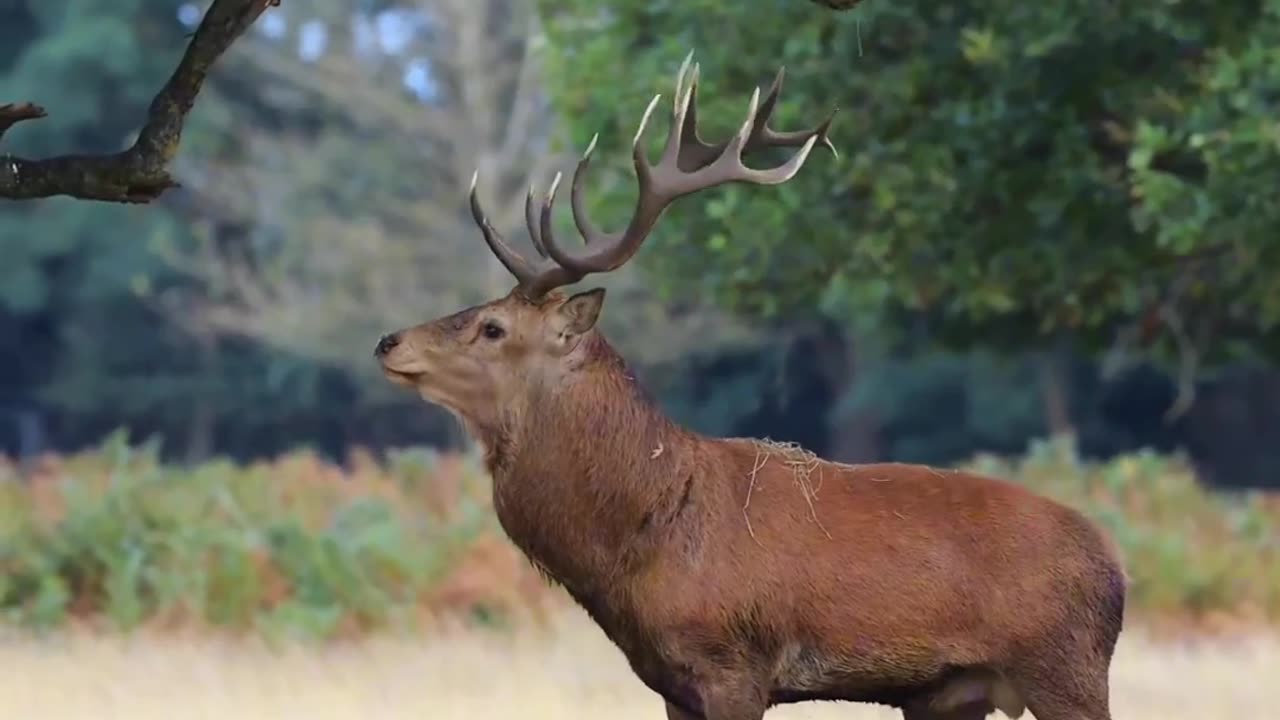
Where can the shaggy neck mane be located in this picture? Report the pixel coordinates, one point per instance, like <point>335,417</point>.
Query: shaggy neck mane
<point>587,476</point>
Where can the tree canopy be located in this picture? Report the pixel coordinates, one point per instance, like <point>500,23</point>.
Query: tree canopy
<point>1010,178</point>
<point>1011,172</point>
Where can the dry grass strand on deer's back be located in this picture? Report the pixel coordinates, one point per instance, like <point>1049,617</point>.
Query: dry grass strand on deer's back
<point>801,462</point>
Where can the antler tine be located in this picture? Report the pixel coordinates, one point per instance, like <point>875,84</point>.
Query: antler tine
<point>510,259</point>
<point>684,68</point>
<point>548,205</point>
<point>616,248</point>
<point>747,131</point>
<point>687,165</point>
<point>696,154</point>
<point>553,274</point>
<point>679,113</point>
<point>729,167</point>
<point>769,137</point>
<point>531,222</point>
<point>586,228</point>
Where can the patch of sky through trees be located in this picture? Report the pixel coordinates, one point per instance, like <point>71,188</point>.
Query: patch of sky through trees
<point>389,32</point>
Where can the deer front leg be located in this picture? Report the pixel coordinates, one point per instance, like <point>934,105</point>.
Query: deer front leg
<point>971,711</point>
<point>726,700</point>
<point>675,713</point>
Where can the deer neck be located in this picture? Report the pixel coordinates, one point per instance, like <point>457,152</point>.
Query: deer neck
<point>587,480</point>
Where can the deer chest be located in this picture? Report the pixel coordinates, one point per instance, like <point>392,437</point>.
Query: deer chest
<point>655,663</point>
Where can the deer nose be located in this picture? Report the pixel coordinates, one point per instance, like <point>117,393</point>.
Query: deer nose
<point>386,343</point>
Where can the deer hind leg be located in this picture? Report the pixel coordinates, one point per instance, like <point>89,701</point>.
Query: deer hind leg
<point>1065,699</point>
<point>1065,676</point>
<point>1058,688</point>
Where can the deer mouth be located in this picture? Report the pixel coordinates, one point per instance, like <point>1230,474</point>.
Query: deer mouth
<point>401,377</point>
<point>408,376</point>
<point>399,361</point>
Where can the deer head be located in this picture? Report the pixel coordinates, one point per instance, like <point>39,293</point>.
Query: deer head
<point>482,362</point>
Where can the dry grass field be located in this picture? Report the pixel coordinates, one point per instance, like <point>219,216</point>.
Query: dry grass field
<point>564,673</point>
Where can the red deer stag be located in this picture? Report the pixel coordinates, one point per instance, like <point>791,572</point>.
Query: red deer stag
<point>737,574</point>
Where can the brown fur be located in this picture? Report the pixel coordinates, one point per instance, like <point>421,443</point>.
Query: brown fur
<point>736,574</point>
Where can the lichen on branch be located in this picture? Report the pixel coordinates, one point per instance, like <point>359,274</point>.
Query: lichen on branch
<point>139,174</point>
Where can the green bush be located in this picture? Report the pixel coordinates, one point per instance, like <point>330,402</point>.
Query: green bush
<point>1189,552</point>
<point>302,547</point>
<point>295,546</point>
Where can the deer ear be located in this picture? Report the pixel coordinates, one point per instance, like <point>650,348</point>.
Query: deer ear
<point>580,312</point>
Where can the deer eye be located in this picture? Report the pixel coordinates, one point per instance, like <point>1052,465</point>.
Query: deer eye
<point>492,330</point>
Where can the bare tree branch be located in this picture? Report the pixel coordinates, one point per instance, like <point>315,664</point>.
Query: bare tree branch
<point>13,114</point>
<point>837,4</point>
<point>1188,364</point>
<point>1164,312</point>
<point>139,174</point>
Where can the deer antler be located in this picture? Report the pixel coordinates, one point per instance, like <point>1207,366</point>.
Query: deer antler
<point>688,164</point>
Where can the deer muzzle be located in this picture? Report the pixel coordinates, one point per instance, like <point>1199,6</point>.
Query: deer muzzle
<point>386,344</point>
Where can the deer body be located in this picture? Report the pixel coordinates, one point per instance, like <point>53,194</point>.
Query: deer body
<point>736,574</point>
<point>875,583</point>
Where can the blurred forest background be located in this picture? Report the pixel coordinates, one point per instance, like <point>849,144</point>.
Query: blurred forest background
<point>1048,251</point>
<point>1046,219</point>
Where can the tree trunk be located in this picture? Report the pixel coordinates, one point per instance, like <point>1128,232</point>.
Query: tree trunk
<point>1053,395</point>
<point>853,437</point>
<point>30,438</point>
<point>200,428</point>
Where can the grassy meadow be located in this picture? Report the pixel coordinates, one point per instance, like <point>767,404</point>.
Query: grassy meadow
<point>565,670</point>
<point>384,588</point>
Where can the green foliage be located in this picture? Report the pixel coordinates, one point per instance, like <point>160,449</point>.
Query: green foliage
<point>1009,169</point>
<point>301,548</point>
<point>293,547</point>
<point>1187,552</point>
